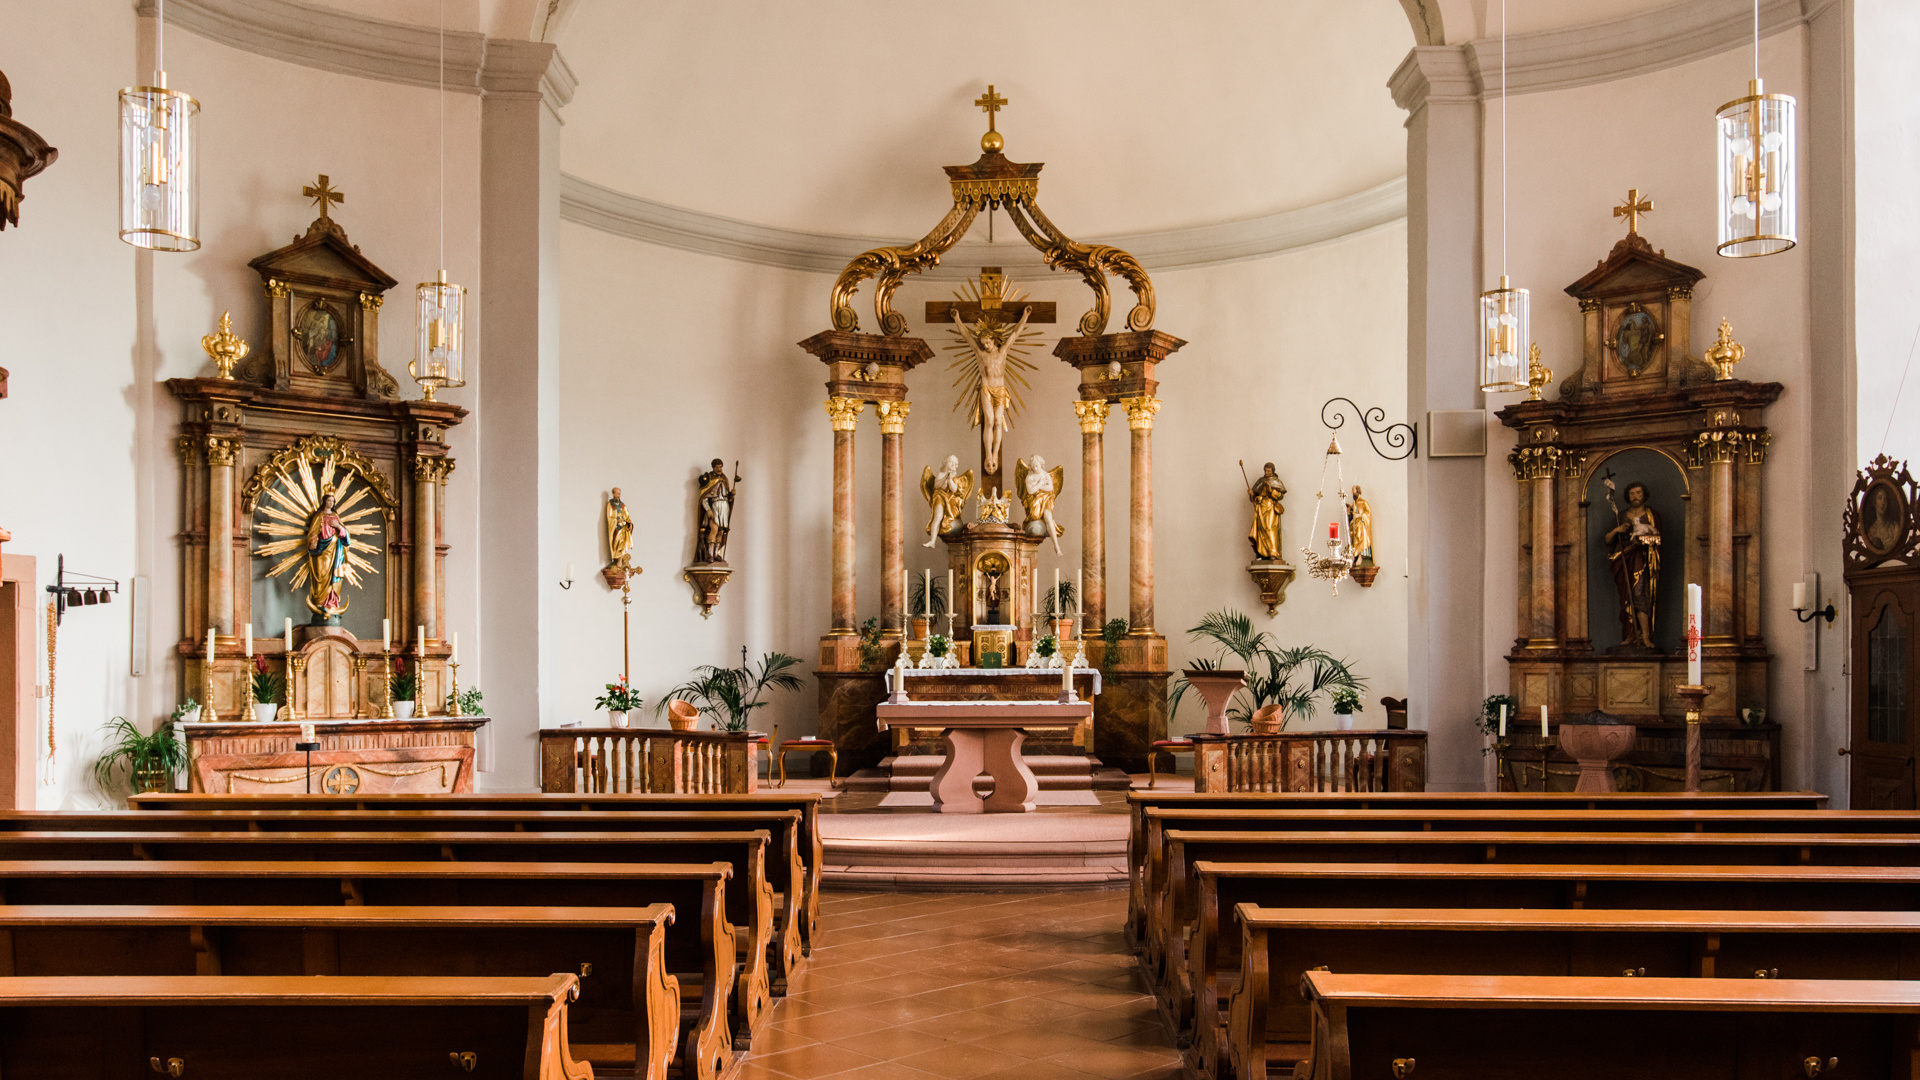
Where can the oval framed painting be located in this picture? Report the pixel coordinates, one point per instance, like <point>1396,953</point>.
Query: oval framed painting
<point>316,337</point>
<point>1634,339</point>
<point>1883,518</point>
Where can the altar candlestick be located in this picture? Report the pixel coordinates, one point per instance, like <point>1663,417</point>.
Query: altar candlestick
<point>209,644</point>
<point>249,646</point>
<point>1058,607</point>
<point>1543,721</point>
<point>952,600</point>
<point>386,635</point>
<point>906,578</point>
<point>1066,680</point>
<point>926,593</point>
<point>1693,635</point>
<point>1503,721</point>
<point>455,657</point>
<point>289,633</point>
<point>1033,587</point>
<point>420,640</point>
<point>1799,596</point>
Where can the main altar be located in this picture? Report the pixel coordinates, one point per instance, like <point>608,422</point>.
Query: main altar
<point>312,546</point>
<point>994,584</point>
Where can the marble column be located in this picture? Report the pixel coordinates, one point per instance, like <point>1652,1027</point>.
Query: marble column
<point>220,452</point>
<point>893,534</point>
<point>426,471</point>
<point>843,413</point>
<point>1540,630</point>
<point>1140,412</point>
<point>1718,608</point>
<point>1093,513</point>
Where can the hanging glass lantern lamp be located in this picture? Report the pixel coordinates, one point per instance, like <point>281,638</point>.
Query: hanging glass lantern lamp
<point>159,191</point>
<point>1503,330</point>
<point>1756,155</point>
<point>440,353</point>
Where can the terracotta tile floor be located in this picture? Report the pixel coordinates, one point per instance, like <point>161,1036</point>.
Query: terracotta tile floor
<point>967,986</point>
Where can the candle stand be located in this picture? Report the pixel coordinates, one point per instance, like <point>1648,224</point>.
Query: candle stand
<point>453,692</point>
<point>295,665</point>
<point>1695,696</point>
<point>386,684</point>
<point>309,748</point>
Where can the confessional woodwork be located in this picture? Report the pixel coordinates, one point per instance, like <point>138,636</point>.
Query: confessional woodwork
<point>20,614</point>
<point>1883,588</point>
<point>1642,410</point>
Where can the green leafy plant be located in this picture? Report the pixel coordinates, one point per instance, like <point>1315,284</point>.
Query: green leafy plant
<point>404,685</point>
<point>1294,679</point>
<point>1346,701</point>
<point>730,695</point>
<point>264,685</point>
<point>939,645</point>
<point>468,702</point>
<point>180,711</point>
<point>619,697</point>
<point>150,760</point>
<point>1111,633</point>
<point>1489,719</point>
<point>870,650</point>
<point>917,601</point>
<point>1047,646</point>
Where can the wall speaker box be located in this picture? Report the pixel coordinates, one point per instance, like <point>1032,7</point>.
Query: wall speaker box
<point>1456,433</point>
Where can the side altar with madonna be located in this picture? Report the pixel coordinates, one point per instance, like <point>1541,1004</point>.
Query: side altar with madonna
<point>312,544</point>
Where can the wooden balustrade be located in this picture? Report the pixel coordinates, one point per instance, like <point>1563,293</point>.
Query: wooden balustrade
<point>621,761</point>
<point>1358,761</point>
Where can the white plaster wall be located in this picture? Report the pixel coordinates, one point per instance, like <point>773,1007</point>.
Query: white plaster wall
<point>1573,155</point>
<point>670,359</point>
<point>1887,291</point>
<point>95,326</point>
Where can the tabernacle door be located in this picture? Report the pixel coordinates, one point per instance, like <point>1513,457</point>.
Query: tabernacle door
<point>1884,643</point>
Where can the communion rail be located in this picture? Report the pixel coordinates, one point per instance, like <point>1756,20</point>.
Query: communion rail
<point>1361,761</point>
<point>618,761</point>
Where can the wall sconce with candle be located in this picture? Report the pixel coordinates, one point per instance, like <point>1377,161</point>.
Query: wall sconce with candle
<point>1800,606</point>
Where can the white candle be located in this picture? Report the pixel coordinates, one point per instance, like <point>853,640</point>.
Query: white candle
<point>1033,588</point>
<point>249,645</point>
<point>1543,721</point>
<point>1058,607</point>
<point>306,732</point>
<point>1079,592</point>
<point>289,633</point>
<point>386,635</point>
<point>1693,635</point>
<point>926,593</point>
<point>906,576</point>
<point>209,644</point>
<point>950,597</point>
<point>569,574</point>
<point>1066,678</point>
<point>1799,596</point>
<point>455,657</point>
<point>1503,720</point>
<point>420,640</point>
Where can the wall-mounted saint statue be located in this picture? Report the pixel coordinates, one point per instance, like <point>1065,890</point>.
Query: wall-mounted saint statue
<point>1037,488</point>
<point>1360,527</point>
<point>1266,494</point>
<point>716,513</point>
<point>619,530</point>
<point>947,492</point>
<point>1633,553</point>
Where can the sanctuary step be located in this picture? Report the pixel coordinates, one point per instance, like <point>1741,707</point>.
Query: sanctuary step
<point>1056,772</point>
<point>987,852</point>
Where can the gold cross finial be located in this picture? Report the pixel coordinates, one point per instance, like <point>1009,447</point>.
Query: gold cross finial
<point>323,194</point>
<point>991,102</point>
<point>1634,207</point>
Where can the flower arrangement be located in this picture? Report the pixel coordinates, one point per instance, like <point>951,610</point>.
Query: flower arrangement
<point>263,685</point>
<point>1489,718</point>
<point>1345,701</point>
<point>403,685</point>
<point>939,645</point>
<point>619,697</point>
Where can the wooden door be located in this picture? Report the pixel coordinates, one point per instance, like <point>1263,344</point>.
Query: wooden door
<point>1886,644</point>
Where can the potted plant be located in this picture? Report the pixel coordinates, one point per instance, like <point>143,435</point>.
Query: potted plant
<point>1294,679</point>
<point>151,760</point>
<point>939,647</point>
<point>188,712</point>
<point>403,687</point>
<point>730,695</point>
<point>1346,702</point>
<point>468,702</point>
<point>1489,721</point>
<point>1046,649</point>
<point>263,687</point>
<point>928,603</point>
<point>619,700</point>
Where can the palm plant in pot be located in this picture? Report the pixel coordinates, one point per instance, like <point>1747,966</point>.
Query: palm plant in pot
<point>264,687</point>
<point>403,687</point>
<point>730,694</point>
<point>150,760</point>
<point>1294,680</point>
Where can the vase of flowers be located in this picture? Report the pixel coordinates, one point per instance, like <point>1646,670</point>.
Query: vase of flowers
<point>263,687</point>
<point>939,647</point>
<point>403,688</point>
<point>1346,702</point>
<point>619,700</point>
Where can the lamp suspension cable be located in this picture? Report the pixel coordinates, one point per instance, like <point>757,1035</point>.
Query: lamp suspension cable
<point>1503,142</point>
<point>443,134</point>
<point>1504,324</point>
<point>439,355</point>
<point>1757,210</point>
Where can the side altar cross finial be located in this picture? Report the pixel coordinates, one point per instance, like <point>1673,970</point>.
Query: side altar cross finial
<point>992,103</point>
<point>1632,209</point>
<point>323,195</point>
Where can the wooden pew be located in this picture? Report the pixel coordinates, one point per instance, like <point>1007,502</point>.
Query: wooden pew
<point>785,874</point>
<point>749,901</point>
<point>1268,1017</point>
<point>1155,820</point>
<point>1212,952</point>
<point>808,804</point>
<point>1502,802</point>
<point>1171,910</point>
<point>626,1015</point>
<point>1443,1027</point>
<point>699,948</point>
<point>291,1027</point>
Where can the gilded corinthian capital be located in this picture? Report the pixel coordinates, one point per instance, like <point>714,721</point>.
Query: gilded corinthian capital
<point>1092,415</point>
<point>893,416</point>
<point>1140,412</point>
<point>844,412</point>
<point>221,451</point>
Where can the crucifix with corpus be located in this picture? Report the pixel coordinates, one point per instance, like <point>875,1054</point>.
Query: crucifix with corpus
<point>990,322</point>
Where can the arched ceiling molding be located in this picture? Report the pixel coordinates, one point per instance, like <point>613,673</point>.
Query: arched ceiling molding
<point>350,44</point>
<point>1428,23</point>
<point>586,203</point>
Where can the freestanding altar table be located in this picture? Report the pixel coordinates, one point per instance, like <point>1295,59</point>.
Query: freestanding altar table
<point>983,736</point>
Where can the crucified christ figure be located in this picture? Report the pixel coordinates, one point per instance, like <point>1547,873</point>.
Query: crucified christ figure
<point>994,412</point>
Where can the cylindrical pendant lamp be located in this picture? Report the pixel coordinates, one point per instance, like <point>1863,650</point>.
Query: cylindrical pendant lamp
<point>159,188</point>
<point>1503,336</point>
<point>440,352</point>
<point>1756,156</point>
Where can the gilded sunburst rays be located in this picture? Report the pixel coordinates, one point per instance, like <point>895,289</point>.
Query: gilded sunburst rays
<point>292,500</point>
<point>967,364</point>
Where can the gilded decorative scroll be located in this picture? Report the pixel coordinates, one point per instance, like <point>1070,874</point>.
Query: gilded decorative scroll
<point>305,452</point>
<point>1093,262</point>
<point>887,265</point>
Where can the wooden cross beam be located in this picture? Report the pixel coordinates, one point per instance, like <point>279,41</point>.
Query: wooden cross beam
<point>993,286</point>
<point>323,195</point>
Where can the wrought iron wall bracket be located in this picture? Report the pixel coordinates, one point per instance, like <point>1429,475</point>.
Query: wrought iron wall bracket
<point>1395,436</point>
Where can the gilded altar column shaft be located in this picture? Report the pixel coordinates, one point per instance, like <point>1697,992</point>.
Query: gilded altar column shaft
<point>426,472</point>
<point>893,534</point>
<point>843,413</point>
<point>1093,512</point>
<point>220,452</point>
<point>1140,412</point>
<point>1719,599</point>
<point>1540,630</point>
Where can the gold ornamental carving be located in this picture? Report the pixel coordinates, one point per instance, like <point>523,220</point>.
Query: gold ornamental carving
<point>1538,374</point>
<point>1092,416</point>
<point>1140,412</point>
<point>844,412</point>
<point>993,182</point>
<point>371,301</point>
<point>1725,353</point>
<point>277,289</point>
<point>188,449</point>
<point>1718,446</point>
<point>221,451</point>
<point>893,416</point>
<point>225,347</point>
<point>1536,462</point>
<point>432,469</point>
<point>307,451</point>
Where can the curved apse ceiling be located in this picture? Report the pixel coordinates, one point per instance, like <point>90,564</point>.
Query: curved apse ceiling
<point>836,115</point>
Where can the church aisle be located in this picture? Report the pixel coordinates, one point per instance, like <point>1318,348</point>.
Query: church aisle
<point>968,986</point>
